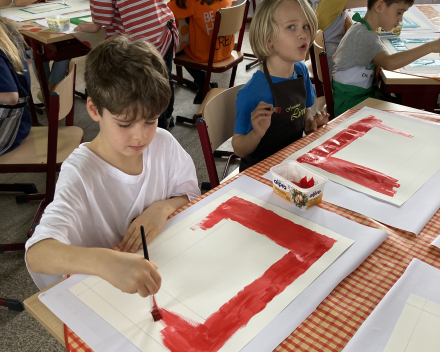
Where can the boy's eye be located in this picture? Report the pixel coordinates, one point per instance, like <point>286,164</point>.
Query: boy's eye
<point>291,27</point>
<point>124,126</point>
<point>306,27</point>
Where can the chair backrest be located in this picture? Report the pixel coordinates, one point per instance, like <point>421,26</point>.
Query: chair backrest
<point>232,19</point>
<point>219,116</point>
<point>318,47</point>
<point>66,91</point>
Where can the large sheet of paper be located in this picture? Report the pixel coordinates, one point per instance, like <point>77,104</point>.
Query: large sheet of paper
<point>419,279</point>
<point>427,64</point>
<point>101,335</point>
<point>414,20</point>
<point>417,328</point>
<point>45,9</point>
<point>386,156</point>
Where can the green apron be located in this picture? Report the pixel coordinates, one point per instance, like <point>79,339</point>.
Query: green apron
<point>346,95</point>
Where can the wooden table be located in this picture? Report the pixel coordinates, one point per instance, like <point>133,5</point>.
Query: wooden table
<point>340,315</point>
<point>416,92</point>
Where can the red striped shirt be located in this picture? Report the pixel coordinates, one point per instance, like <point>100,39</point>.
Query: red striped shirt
<point>137,20</point>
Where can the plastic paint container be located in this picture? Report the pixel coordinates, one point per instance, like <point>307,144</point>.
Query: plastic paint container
<point>394,32</point>
<point>283,176</point>
<point>58,23</point>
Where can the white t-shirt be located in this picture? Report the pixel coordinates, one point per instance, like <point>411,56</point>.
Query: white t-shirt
<point>95,202</point>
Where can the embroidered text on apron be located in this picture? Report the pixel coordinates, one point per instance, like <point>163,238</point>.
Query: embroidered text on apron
<point>286,127</point>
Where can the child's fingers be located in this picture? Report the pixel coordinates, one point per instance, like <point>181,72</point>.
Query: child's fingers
<point>157,278</point>
<point>134,236</point>
<point>137,244</point>
<point>126,238</point>
<point>143,291</point>
<point>152,287</point>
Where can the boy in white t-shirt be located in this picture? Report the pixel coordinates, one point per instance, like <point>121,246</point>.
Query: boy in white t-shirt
<point>130,170</point>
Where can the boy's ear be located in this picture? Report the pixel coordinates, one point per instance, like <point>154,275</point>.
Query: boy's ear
<point>379,6</point>
<point>92,110</point>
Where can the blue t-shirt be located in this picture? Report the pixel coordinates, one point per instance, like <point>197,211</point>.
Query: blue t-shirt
<point>257,89</point>
<point>10,81</point>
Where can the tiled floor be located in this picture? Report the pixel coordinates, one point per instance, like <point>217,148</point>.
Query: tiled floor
<point>20,331</point>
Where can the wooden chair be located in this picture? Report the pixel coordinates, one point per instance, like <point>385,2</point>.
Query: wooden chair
<point>228,21</point>
<point>45,148</point>
<point>216,127</point>
<point>317,51</point>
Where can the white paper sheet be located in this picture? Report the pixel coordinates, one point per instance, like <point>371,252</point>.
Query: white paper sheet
<point>427,64</point>
<point>437,8</point>
<point>43,10</point>
<point>412,161</point>
<point>417,328</point>
<point>419,279</point>
<point>366,239</point>
<point>436,242</point>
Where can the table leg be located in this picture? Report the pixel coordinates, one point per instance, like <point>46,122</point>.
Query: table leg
<point>40,71</point>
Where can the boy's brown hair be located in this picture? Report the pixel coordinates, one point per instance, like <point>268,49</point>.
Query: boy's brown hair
<point>371,3</point>
<point>125,77</point>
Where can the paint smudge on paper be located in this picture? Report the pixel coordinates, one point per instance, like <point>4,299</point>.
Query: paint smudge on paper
<point>306,247</point>
<point>321,157</point>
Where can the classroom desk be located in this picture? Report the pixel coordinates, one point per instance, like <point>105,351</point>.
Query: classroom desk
<point>416,92</point>
<point>340,315</point>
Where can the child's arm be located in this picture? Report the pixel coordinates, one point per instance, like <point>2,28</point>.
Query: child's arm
<point>9,98</point>
<point>128,272</point>
<point>88,27</point>
<point>102,15</point>
<point>314,122</point>
<point>245,144</point>
<point>403,58</point>
<point>153,219</point>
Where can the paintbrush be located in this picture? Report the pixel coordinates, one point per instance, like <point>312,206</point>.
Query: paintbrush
<point>275,109</point>
<point>154,310</point>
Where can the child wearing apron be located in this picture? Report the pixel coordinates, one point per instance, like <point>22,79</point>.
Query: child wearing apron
<point>283,83</point>
<point>15,119</point>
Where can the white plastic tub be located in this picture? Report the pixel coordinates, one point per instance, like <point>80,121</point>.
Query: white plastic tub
<point>58,23</point>
<point>283,176</point>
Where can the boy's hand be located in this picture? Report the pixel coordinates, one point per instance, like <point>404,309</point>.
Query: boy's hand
<point>260,118</point>
<point>131,273</point>
<point>153,219</point>
<point>436,46</point>
<point>88,27</point>
<point>312,124</point>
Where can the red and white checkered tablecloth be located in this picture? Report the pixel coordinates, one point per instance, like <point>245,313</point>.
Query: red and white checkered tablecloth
<point>340,315</point>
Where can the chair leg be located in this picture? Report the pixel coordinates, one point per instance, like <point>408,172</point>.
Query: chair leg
<point>12,304</point>
<point>207,82</point>
<point>11,247</point>
<point>234,72</point>
<point>28,188</point>
<point>37,217</point>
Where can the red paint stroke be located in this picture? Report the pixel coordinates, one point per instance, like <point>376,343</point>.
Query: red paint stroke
<point>306,247</point>
<point>303,183</point>
<point>321,157</point>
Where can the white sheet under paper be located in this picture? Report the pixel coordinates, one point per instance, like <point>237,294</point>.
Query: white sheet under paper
<point>436,242</point>
<point>202,270</point>
<point>418,327</point>
<point>412,161</point>
<point>419,279</point>
<point>44,23</point>
<point>46,9</point>
<point>366,240</point>
<point>427,64</point>
<point>411,216</point>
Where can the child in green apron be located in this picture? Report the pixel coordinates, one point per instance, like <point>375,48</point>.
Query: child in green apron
<point>361,50</point>
<point>280,35</point>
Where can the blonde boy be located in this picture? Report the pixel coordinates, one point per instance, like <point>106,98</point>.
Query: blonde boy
<point>130,170</point>
<point>361,50</point>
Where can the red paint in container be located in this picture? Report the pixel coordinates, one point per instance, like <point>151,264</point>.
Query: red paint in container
<point>303,183</point>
